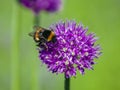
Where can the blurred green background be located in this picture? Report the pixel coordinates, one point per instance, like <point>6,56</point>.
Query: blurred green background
<point>27,73</point>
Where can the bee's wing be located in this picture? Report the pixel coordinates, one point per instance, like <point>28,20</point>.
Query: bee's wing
<point>38,28</point>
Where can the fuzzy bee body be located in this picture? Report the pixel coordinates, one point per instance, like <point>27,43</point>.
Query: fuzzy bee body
<point>41,36</point>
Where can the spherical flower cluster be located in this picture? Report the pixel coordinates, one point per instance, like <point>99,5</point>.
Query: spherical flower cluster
<point>74,49</point>
<point>38,5</point>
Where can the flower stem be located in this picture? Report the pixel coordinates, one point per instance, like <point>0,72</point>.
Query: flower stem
<point>15,37</point>
<point>36,19</point>
<point>35,74</point>
<point>67,83</point>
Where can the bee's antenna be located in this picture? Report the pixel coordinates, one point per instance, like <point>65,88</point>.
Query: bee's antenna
<point>31,34</point>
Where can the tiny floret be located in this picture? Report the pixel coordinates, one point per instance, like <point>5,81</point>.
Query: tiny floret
<point>74,49</point>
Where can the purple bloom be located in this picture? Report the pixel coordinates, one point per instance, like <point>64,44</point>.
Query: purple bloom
<point>38,5</point>
<point>74,49</point>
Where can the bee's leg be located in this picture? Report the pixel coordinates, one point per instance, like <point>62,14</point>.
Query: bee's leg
<point>40,42</point>
<point>42,45</point>
<point>38,45</point>
<point>40,49</point>
<point>45,46</point>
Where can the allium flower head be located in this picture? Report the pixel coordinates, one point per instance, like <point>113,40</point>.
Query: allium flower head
<point>38,5</point>
<point>74,49</point>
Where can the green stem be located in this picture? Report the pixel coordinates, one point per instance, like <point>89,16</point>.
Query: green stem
<point>36,19</point>
<point>16,20</point>
<point>35,74</point>
<point>67,83</point>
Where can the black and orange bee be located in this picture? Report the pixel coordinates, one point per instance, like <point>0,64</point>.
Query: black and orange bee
<point>42,35</point>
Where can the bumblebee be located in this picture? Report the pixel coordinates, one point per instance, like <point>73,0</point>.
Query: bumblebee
<point>42,35</point>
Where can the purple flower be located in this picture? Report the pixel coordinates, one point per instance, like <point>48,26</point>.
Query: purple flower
<point>38,5</point>
<point>74,49</point>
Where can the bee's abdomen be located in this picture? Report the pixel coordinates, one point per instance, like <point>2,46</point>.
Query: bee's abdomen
<point>46,34</point>
<point>54,39</point>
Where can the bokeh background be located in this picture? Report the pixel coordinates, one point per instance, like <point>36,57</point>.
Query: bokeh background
<point>27,73</point>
